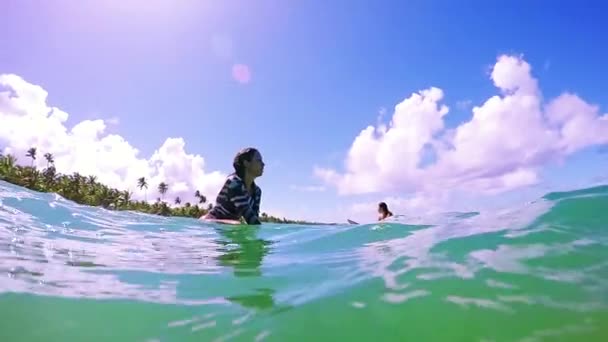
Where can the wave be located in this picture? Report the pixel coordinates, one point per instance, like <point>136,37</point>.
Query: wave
<point>544,261</point>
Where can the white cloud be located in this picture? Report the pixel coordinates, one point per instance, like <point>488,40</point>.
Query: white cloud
<point>113,120</point>
<point>307,188</point>
<point>26,120</point>
<point>502,147</point>
<point>382,155</point>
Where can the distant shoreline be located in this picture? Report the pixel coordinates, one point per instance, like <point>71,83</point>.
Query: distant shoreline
<point>88,191</point>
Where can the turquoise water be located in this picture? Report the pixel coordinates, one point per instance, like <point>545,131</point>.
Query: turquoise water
<point>537,272</point>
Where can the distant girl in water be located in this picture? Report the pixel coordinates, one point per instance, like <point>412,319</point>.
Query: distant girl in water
<point>383,211</point>
<point>240,196</point>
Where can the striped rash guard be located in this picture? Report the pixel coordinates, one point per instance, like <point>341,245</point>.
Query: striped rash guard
<point>234,201</point>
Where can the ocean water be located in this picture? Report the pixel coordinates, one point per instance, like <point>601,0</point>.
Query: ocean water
<point>536,272</point>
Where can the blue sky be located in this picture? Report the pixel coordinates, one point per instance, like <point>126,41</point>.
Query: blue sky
<point>321,73</point>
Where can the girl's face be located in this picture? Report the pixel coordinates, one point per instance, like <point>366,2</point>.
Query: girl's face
<point>255,166</point>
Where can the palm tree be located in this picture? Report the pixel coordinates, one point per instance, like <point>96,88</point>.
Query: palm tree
<point>162,188</point>
<point>201,198</point>
<point>7,164</point>
<point>32,154</point>
<point>49,159</point>
<point>125,198</point>
<point>78,178</point>
<point>178,200</point>
<point>49,176</point>
<point>142,183</point>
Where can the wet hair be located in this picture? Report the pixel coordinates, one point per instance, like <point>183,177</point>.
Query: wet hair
<point>384,207</point>
<point>244,154</point>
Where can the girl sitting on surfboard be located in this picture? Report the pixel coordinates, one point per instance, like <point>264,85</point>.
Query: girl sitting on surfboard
<point>240,196</point>
<point>383,211</point>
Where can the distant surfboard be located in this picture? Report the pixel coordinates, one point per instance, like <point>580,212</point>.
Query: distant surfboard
<point>351,221</point>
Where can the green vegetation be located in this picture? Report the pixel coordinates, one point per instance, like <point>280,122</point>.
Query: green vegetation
<point>86,190</point>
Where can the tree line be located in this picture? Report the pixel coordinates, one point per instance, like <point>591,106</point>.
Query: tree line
<point>87,190</point>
